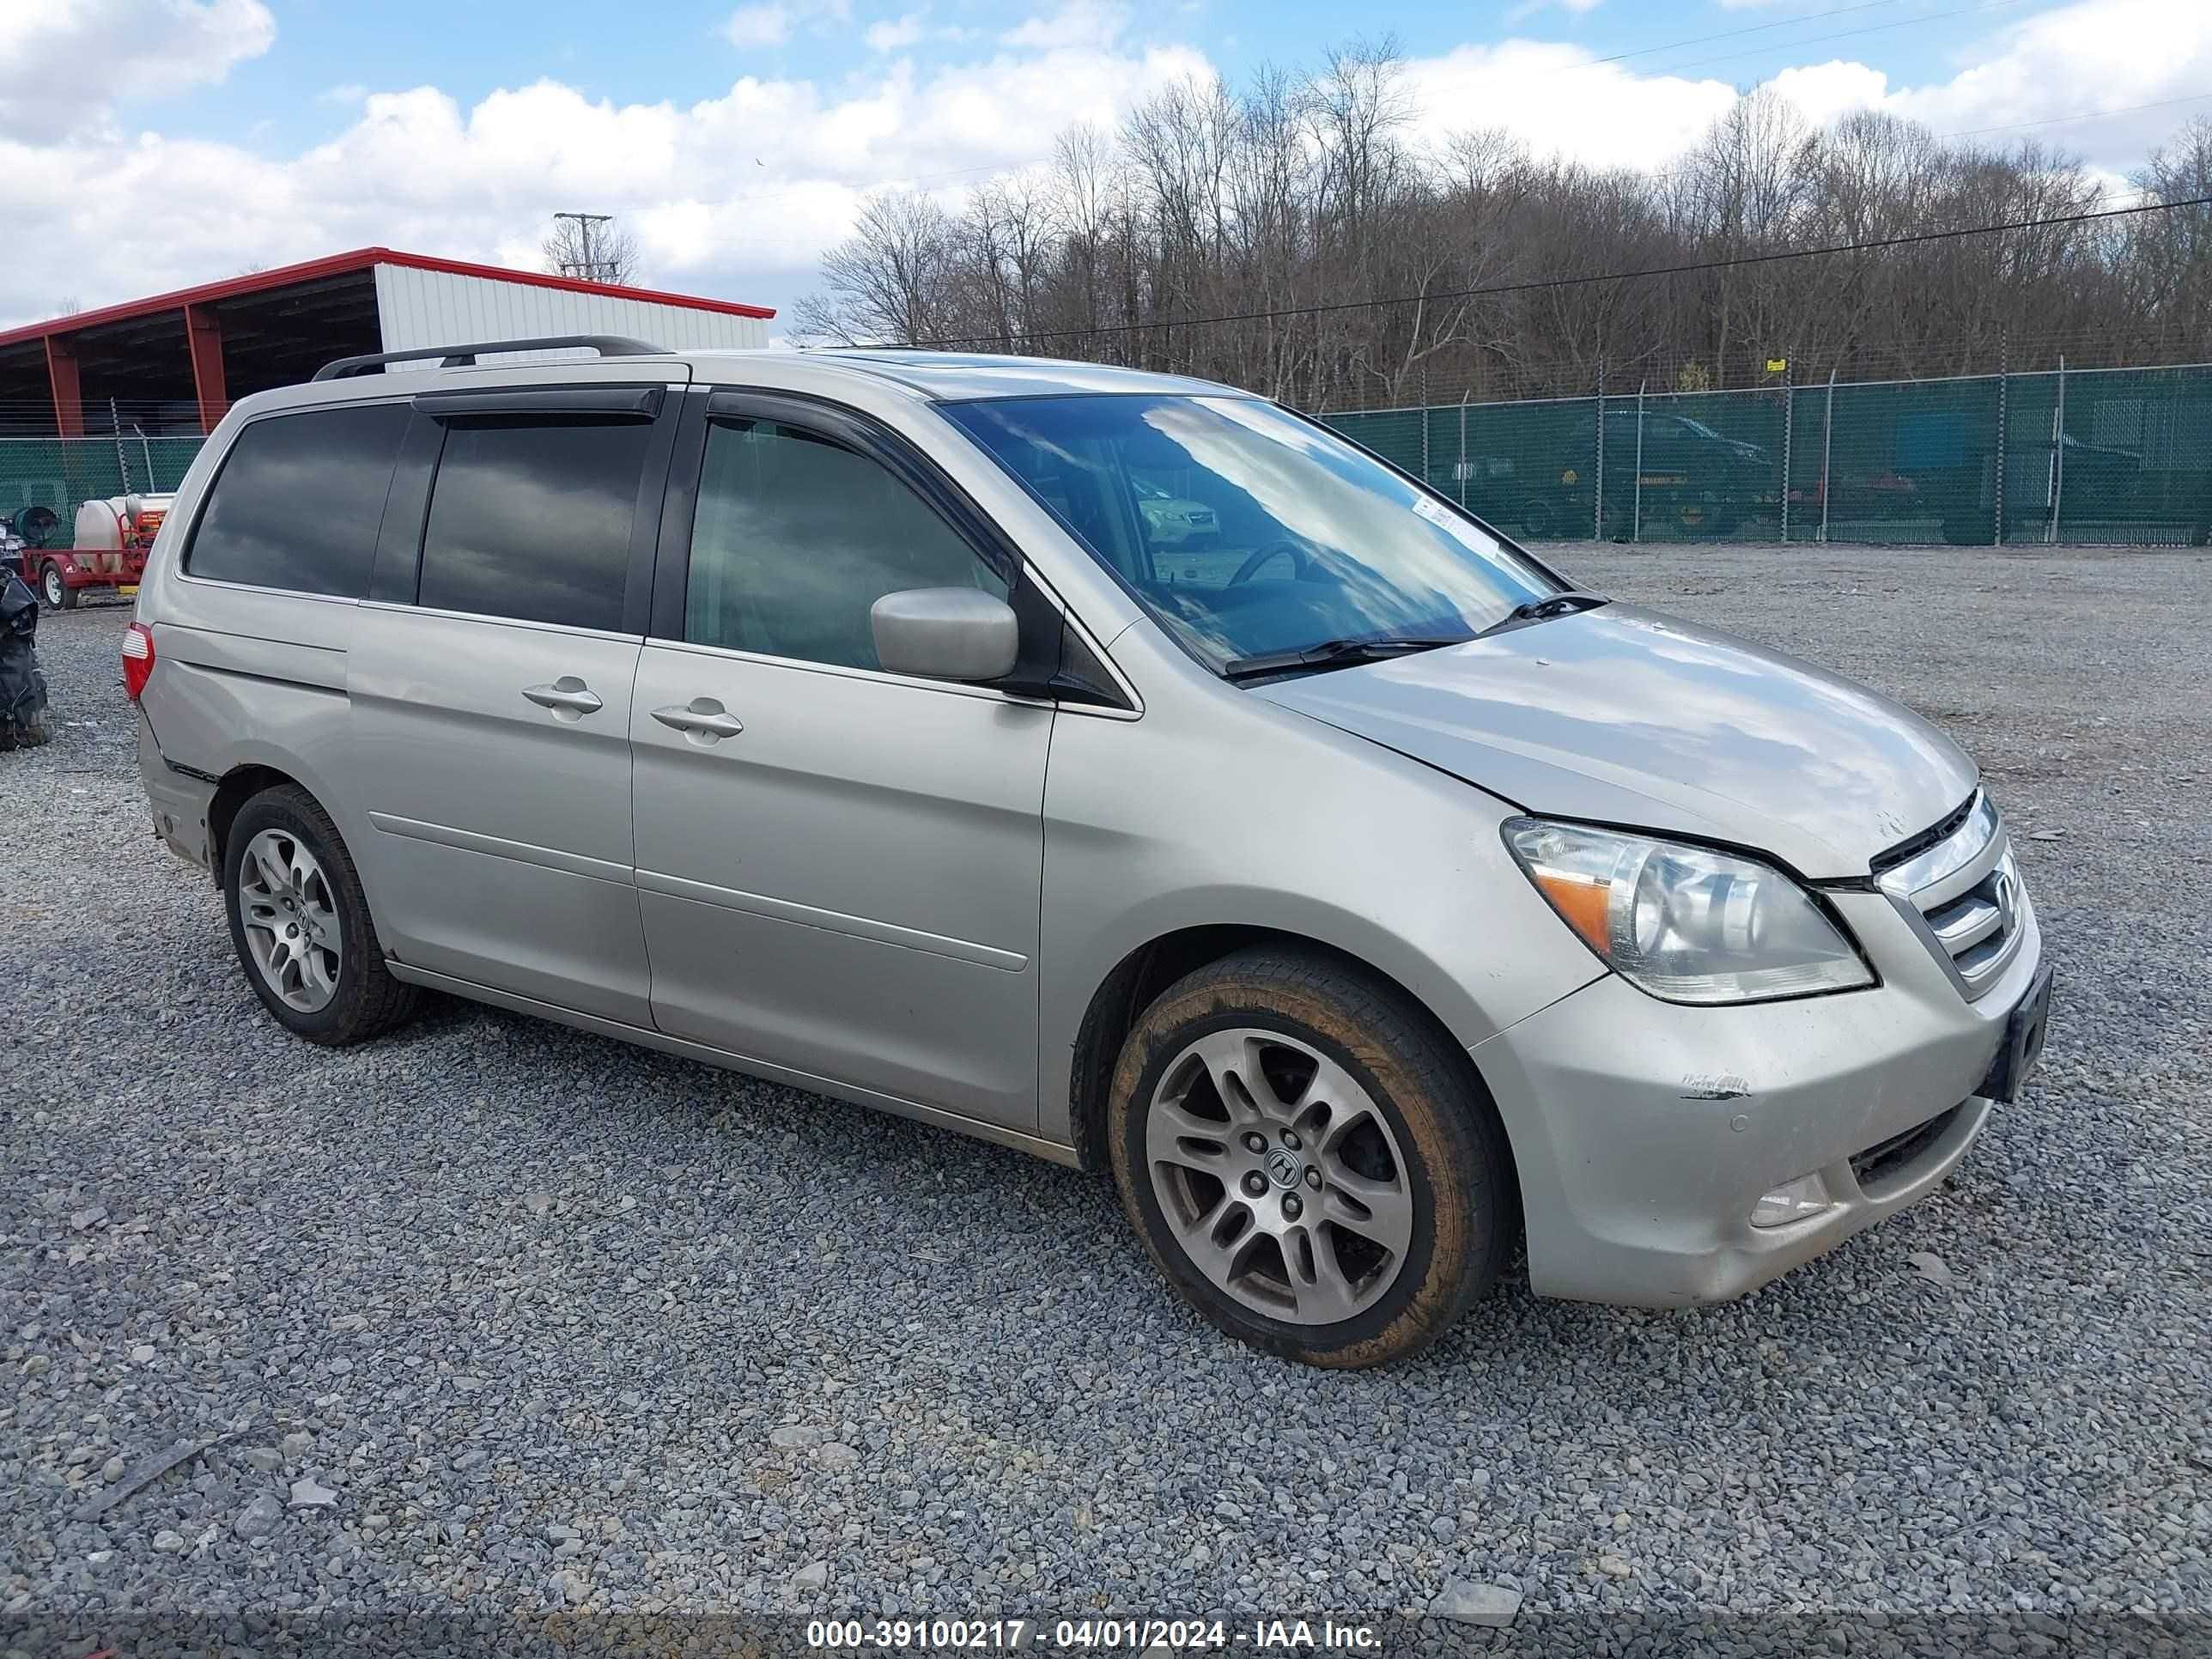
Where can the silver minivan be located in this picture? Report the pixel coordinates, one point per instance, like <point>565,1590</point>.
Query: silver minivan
<point>1367,897</point>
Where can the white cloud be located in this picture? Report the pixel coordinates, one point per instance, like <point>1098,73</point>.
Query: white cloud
<point>128,49</point>
<point>738,194</point>
<point>735,196</point>
<point>1562,102</point>
<point>2092,55</point>
<point>2071,61</point>
<point>2069,77</point>
<point>757,26</point>
<point>1822,92</point>
<point>896,33</point>
<point>772,24</point>
<point>1091,23</point>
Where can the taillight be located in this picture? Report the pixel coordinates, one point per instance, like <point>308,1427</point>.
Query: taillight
<point>137,658</point>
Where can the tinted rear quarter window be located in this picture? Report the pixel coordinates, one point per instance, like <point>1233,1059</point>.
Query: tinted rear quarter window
<point>298,501</point>
<point>530,518</point>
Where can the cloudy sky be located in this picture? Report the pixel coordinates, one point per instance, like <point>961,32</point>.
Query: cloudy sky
<point>148,144</point>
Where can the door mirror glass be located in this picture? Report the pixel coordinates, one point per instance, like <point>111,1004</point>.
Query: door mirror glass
<point>945,634</point>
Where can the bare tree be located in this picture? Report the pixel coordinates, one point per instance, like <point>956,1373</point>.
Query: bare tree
<point>590,246</point>
<point>2169,266</point>
<point>1298,236</point>
<point>891,282</point>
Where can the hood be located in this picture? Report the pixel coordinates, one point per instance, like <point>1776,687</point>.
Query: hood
<point>1624,716</point>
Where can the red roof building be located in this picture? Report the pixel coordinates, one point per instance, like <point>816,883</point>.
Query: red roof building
<point>172,364</point>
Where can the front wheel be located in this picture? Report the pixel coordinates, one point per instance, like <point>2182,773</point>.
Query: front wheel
<point>1308,1159</point>
<point>301,925</point>
<point>57,593</point>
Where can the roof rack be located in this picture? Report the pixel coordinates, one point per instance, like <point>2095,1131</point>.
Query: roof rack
<point>464,356</point>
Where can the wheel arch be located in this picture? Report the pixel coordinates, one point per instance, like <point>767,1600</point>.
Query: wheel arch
<point>1136,980</point>
<point>239,786</point>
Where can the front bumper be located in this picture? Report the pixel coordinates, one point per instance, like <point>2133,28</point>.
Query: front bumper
<point>1646,1131</point>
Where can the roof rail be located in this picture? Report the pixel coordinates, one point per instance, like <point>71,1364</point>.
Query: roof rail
<point>464,356</point>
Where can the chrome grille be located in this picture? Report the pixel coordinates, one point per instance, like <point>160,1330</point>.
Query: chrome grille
<point>1961,894</point>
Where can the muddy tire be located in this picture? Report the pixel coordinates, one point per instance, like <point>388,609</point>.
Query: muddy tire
<point>1310,1159</point>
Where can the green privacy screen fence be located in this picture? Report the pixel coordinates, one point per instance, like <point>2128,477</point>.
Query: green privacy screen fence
<point>59,473</point>
<point>2114,457</point>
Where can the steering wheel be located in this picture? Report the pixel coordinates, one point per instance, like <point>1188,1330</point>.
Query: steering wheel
<point>1302,561</point>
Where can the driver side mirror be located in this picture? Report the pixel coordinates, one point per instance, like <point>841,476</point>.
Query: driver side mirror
<point>945,634</point>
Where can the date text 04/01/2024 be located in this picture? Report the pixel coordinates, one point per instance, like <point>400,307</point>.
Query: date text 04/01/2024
<point>1092,1635</point>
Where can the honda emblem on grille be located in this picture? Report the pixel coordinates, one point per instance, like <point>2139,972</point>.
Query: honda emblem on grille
<point>2007,902</point>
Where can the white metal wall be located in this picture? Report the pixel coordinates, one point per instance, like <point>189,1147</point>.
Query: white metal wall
<point>419,308</point>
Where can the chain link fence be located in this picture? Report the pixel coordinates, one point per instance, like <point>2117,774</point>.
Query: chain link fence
<point>2115,457</point>
<point>2088,457</point>
<point>59,473</point>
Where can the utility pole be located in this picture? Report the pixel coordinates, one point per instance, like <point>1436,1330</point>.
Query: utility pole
<point>587,267</point>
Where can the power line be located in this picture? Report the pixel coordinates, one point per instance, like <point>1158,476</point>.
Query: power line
<point>784,191</point>
<point>1816,39</point>
<point>1535,283</point>
<point>2085,115</point>
<point>1730,35</point>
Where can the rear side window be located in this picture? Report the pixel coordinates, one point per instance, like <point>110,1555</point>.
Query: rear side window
<point>299,500</point>
<point>531,519</point>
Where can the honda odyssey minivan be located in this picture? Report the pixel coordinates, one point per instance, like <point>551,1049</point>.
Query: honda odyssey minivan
<point>1365,895</point>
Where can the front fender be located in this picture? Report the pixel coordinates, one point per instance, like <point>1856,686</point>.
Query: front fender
<point>1284,824</point>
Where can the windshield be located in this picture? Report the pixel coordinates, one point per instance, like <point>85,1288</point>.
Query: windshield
<point>1304,541</point>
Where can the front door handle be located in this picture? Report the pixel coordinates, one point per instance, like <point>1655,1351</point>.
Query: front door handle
<point>702,718</point>
<point>569,697</point>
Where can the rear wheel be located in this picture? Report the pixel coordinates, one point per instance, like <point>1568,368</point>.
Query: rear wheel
<point>301,926</point>
<point>1308,1161</point>
<point>57,592</point>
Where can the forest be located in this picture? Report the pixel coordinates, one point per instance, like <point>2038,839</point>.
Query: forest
<point>1299,236</point>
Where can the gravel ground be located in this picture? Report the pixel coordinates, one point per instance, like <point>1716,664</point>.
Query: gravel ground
<point>497,1318</point>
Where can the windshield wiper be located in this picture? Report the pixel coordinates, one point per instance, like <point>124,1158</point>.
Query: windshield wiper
<point>1332,653</point>
<point>1552,604</point>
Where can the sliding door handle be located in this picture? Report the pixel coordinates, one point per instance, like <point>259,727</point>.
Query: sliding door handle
<point>702,717</point>
<point>566,696</point>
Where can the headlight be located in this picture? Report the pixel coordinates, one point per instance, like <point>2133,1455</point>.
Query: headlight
<point>1682,922</point>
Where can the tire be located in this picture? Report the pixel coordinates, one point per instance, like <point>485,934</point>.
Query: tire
<point>1537,519</point>
<point>54,589</point>
<point>360,999</point>
<point>30,733</point>
<point>1317,1035</point>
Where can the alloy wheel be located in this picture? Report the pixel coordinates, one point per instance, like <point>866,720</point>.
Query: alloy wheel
<point>291,919</point>
<point>1279,1176</point>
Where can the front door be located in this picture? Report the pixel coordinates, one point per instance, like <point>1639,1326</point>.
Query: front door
<point>491,690</point>
<point>838,868</point>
